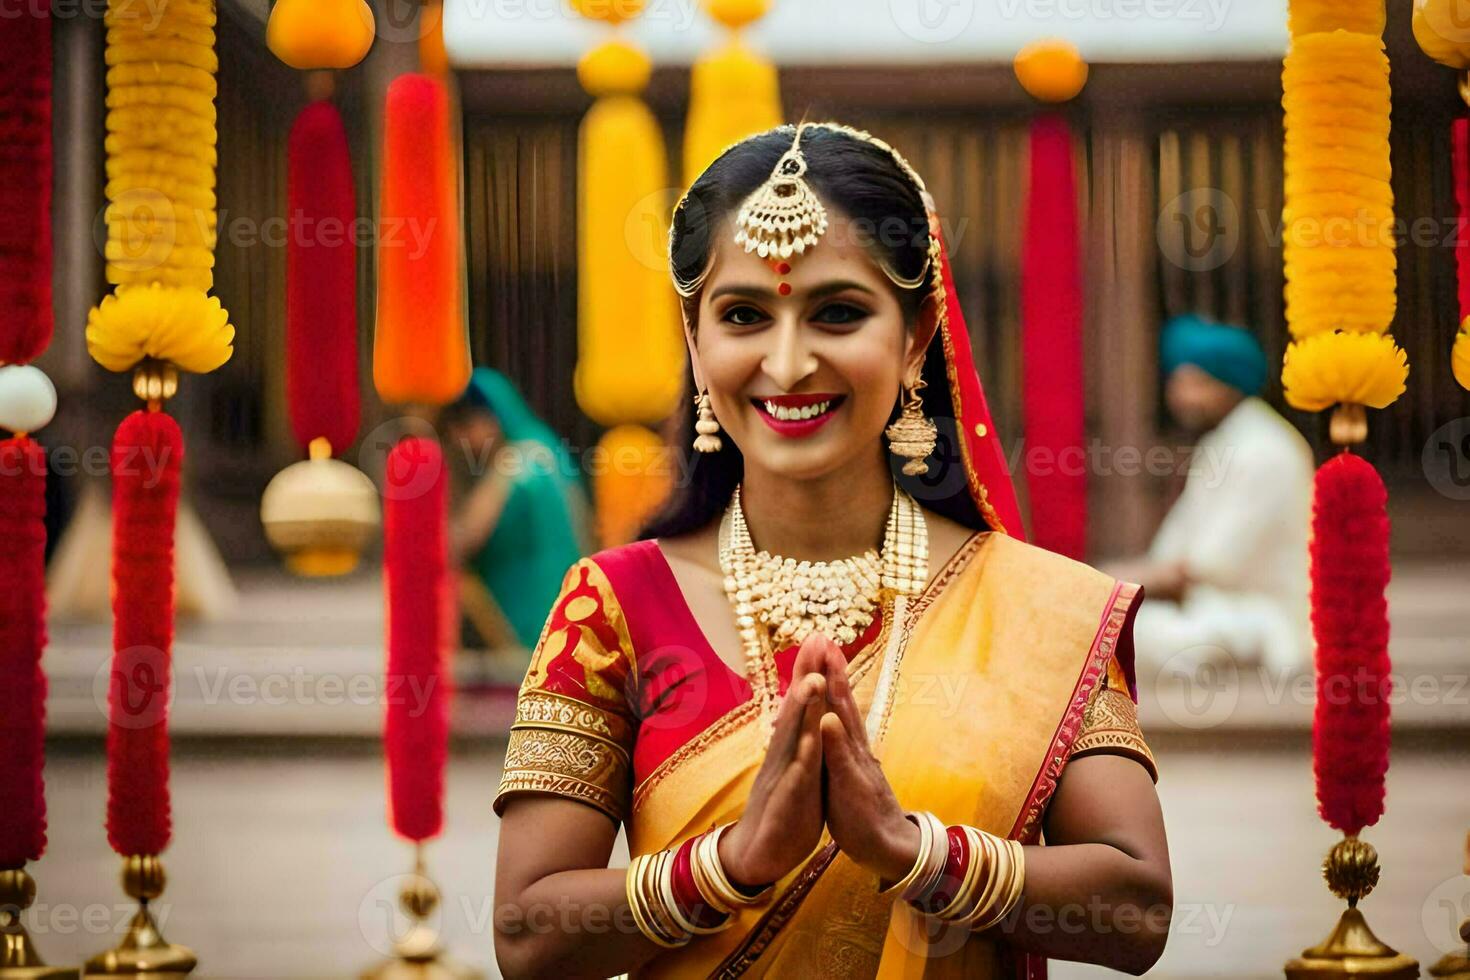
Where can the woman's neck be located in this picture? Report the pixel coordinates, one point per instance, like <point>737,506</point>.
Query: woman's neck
<point>838,515</point>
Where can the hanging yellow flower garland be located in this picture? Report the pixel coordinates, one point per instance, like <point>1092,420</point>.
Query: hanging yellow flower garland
<point>733,91</point>
<point>161,217</point>
<point>1338,216</point>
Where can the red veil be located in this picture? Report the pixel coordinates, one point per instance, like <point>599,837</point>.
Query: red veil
<point>981,456</point>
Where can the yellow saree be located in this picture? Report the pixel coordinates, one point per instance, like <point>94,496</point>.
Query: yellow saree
<point>1010,666</point>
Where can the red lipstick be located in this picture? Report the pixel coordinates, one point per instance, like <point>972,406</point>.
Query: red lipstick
<point>796,416</point>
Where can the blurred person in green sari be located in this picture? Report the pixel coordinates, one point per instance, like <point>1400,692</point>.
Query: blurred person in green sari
<point>524,515</point>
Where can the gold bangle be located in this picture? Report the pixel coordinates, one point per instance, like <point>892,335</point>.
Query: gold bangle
<point>636,889</point>
<point>1002,888</point>
<point>923,869</point>
<point>726,896</point>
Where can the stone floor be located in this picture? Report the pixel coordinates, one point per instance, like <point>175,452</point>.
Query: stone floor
<point>282,867</point>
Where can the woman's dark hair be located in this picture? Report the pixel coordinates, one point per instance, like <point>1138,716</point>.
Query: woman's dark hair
<point>881,207</point>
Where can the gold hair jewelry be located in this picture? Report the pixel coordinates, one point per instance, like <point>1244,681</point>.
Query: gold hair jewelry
<point>782,217</point>
<point>912,436</point>
<point>707,426</point>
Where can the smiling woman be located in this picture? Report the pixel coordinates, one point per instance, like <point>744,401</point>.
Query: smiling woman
<point>749,690</point>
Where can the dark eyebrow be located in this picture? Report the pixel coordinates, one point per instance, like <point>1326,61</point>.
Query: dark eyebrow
<point>761,292</point>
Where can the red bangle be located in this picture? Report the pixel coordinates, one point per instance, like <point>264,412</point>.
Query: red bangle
<point>943,892</point>
<point>686,892</point>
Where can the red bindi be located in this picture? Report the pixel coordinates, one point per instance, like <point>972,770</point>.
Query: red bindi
<point>784,289</point>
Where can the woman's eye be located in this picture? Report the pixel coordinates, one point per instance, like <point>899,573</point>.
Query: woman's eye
<point>743,316</point>
<point>840,313</point>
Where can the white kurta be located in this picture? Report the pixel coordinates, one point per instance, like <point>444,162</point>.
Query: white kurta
<point>1240,530</point>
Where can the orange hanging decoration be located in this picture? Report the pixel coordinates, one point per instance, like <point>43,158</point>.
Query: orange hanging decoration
<point>421,351</point>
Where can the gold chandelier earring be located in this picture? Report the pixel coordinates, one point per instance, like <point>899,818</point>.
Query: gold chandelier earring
<point>706,425</point>
<point>912,436</point>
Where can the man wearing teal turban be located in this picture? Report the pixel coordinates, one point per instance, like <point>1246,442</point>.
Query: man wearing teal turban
<point>1226,575</point>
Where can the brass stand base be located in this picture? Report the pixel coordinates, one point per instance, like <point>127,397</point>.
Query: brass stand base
<point>18,957</point>
<point>1455,966</point>
<point>1352,951</point>
<point>143,954</point>
<point>439,968</point>
<point>418,955</point>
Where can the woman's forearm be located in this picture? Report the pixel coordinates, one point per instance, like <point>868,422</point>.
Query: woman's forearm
<point>570,924</point>
<point>1092,903</point>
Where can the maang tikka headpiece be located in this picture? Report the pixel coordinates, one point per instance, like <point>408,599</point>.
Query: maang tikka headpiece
<point>782,217</point>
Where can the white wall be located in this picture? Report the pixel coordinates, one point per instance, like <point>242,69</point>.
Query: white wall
<point>482,33</point>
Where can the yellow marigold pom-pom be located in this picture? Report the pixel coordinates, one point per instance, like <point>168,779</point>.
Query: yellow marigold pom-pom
<point>311,34</point>
<point>1356,368</point>
<point>614,68</point>
<point>1460,356</point>
<point>1051,70</point>
<point>608,11</point>
<point>183,326</point>
<point>737,13</point>
<point>1442,32</point>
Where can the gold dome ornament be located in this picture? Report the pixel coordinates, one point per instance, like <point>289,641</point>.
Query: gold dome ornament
<point>913,436</point>
<point>320,514</point>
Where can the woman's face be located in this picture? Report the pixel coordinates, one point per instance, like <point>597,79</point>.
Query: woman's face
<point>802,382</point>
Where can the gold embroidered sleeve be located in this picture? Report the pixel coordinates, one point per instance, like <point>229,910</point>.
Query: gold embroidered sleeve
<point>1110,724</point>
<point>574,730</point>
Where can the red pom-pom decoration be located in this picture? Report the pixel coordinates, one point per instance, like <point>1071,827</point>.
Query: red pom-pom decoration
<point>147,454</point>
<point>416,565</point>
<point>321,280</point>
<point>1051,341</point>
<point>25,184</point>
<point>1350,570</point>
<point>421,348</point>
<point>22,640</point>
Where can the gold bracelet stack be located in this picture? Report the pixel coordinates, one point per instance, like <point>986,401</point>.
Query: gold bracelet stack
<point>654,896</point>
<point>654,914</point>
<point>992,885</point>
<point>990,879</point>
<point>929,865</point>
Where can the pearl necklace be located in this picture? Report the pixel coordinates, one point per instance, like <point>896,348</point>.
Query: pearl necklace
<point>793,599</point>
<point>785,600</point>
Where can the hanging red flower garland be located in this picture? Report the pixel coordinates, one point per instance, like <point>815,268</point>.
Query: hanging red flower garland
<point>147,453</point>
<point>416,564</point>
<point>1350,570</point>
<point>321,280</point>
<point>22,641</point>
